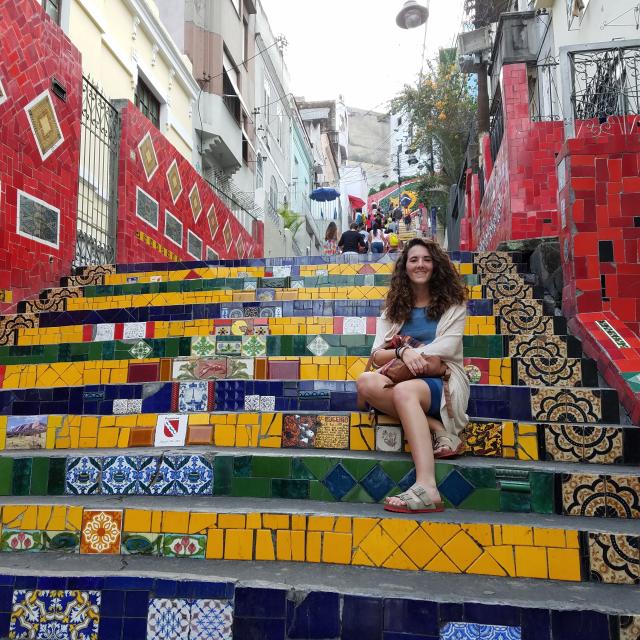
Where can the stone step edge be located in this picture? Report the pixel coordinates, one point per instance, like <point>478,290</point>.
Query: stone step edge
<point>292,507</point>
<point>301,578</point>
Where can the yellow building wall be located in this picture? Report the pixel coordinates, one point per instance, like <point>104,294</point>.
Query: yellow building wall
<point>114,47</point>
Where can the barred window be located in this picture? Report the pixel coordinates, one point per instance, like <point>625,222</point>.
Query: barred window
<point>147,103</point>
<point>52,9</point>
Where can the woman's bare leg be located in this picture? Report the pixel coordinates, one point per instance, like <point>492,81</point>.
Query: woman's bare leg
<point>411,400</point>
<point>371,388</point>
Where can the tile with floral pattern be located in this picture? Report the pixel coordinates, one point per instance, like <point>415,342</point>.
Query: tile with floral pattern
<point>101,531</point>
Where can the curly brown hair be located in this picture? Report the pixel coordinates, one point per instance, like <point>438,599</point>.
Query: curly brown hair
<point>446,285</point>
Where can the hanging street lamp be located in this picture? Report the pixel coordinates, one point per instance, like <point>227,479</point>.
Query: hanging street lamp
<point>412,15</point>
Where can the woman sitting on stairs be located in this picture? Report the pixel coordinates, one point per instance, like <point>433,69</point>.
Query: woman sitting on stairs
<point>426,301</point>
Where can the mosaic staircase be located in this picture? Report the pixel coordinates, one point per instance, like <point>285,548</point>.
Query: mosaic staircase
<point>182,419</point>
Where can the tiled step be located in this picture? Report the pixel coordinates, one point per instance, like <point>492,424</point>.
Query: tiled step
<point>51,393</point>
<point>97,276</point>
<point>510,440</point>
<point>466,484</point>
<point>527,317</point>
<point>491,286</point>
<point>498,544</point>
<point>287,599</point>
<point>137,362</point>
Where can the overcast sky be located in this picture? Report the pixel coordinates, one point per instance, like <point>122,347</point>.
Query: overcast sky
<point>354,48</point>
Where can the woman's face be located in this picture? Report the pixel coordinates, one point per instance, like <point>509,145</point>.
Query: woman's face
<point>419,265</point>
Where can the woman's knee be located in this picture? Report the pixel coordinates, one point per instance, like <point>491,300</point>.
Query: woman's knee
<point>366,382</point>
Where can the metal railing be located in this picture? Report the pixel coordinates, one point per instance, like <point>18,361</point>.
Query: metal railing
<point>544,92</point>
<point>605,82</point>
<point>496,125</point>
<point>98,184</point>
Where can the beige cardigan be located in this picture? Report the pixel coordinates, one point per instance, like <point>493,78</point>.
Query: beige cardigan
<point>448,345</point>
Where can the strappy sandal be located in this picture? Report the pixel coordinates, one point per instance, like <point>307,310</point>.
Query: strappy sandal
<point>452,445</point>
<point>415,501</point>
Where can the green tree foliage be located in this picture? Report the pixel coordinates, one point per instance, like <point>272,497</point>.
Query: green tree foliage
<point>290,220</point>
<point>441,109</point>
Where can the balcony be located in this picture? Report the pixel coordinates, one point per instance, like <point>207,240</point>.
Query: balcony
<point>220,133</point>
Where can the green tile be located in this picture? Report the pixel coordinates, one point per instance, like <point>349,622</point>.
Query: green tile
<point>222,475</point>
<point>242,466</point>
<point>482,500</point>
<point>251,487</point>
<point>515,502</point>
<point>40,476</point>
<point>317,491</point>
<point>481,478</point>
<point>357,494</point>
<point>442,471</point>
<point>56,481</point>
<point>274,345</point>
<point>289,488</point>
<point>299,470</point>
<point>319,466</point>
<point>358,468</point>
<point>542,493</point>
<point>396,469</point>
<point>6,475</point>
<point>271,467</point>
<point>21,476</point>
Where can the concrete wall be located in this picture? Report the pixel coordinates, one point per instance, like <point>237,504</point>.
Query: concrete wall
<point>368,143</point>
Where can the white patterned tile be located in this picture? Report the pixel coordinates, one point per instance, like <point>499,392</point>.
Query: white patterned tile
<point>318,346</point>
<point>122,406</point>
<point>211,620</point>
<point>388,438</point>
<point>171,430</point>
<point>104,332</point>
<point>282,271</point>
<point>193,396</point>
<point>267,403</point>
<point>252,403</point>
<point>134,330</point>
<point>354,326</point>
<point>168,619</point>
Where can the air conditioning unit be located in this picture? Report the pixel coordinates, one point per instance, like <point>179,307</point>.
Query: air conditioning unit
<point>474,41</point>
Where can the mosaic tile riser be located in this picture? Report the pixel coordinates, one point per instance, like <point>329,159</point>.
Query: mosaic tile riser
<point>127,608</point>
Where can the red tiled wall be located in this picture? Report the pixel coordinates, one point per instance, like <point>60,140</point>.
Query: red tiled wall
<point>523,175</point>
<point>33,50</point>
<point>600,205</point>
<point>131,248</point>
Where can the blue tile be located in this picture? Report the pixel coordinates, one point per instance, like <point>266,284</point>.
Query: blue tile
<point>450,611</point>
<point>26,582</point>
<point>203,590</point>
<point>136,604</point>
<point>393,635</point>
<point>492,614</point>
<point>57,583</point>
<point>361,618</point>
<point>408,480</point>
<point>112,604</point>
<point>456,488</point>
<point>377,483</point>
<point>412,616</point>
<point>316,617</point>
<point>164,589</point>
<point>257,629</point>
<point>133,628</point>
<point>579,625</point>
<point>536,624</point>
<point>460,631</point>
<point>339,482</point>
<point>6,598</point>
<point>260,603</point>
<point>127,583</point>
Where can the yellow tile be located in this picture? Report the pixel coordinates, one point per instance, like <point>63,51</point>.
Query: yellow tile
<point>441,563</point>
<point>231,521</point>
<point>74,518</point>
<point>320,523</point>
<point>399,530</point>
<point>283,544</point>
<point>440,532</point>
<point>275,521</point>
<point>224,435</point>
<point>298,522</point>
<point>531,562</point>
<point>57,520</point>
<point>215,545</point>
<point>238,544</point>
<point>336,548</point>
<point>264,545</point>
<point>175,522</point>
<point>486,565</point>
<point>361,439</point>
<point>503,554</point>
<point>481,533</point>
<point>156,521</point>
<point>314,543</point>
<point>137,520</point>
<point>254,521</point>
<point>463,550</point>
<point>378,545</point>
<point>572,539</point>
<point>517,534</point>
<point>199,522</point>
<point>108,438</point>
<point>43,517</point>
<point>361,528</point>
<point>508,434</point>
<point>548,537</point>
<point>399,560</point>
<point>420,548</point>
<point>298,546</point>
<point>342,525</point>
<point>564,564</point>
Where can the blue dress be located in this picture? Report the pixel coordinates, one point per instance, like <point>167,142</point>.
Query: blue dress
<point>423,329</point>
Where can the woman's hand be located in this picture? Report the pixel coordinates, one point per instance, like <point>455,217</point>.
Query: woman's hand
<point>414,361</point>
